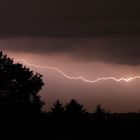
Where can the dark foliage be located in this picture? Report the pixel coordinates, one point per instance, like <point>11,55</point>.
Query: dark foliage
<point>74,108</point>
<point>19,88</point>
<point>57,108</point>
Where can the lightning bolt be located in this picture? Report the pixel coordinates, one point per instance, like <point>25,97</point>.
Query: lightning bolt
<point>80,77</point>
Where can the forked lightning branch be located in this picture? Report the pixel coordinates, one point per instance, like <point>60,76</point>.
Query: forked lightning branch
<point>80,77</point>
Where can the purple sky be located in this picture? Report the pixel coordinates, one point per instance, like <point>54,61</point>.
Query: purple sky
<point>115,96</point>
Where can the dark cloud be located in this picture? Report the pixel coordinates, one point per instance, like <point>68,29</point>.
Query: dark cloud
<point>112,50</point>
<point>100,30</point>
<point>73,18</point>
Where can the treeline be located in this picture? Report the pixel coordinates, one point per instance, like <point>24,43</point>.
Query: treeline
<point>72,120</point>
<point>21,110</point>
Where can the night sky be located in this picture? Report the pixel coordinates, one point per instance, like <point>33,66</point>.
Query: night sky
<point>88,38</point>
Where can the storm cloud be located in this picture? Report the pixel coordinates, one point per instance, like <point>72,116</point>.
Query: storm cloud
<point>72,18</point>
<point>99,30</point>
<point>110,50</point>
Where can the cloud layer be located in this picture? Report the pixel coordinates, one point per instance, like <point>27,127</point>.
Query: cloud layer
<point>110,50</point>
<point>53,18</point>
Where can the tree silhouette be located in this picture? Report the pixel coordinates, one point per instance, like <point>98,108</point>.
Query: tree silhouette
<point>100,113</point>
<point>56,115</point>
<point>57,108</point>
<point>100,110</point>
<point>74,108</point>
<point>19,88</point>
